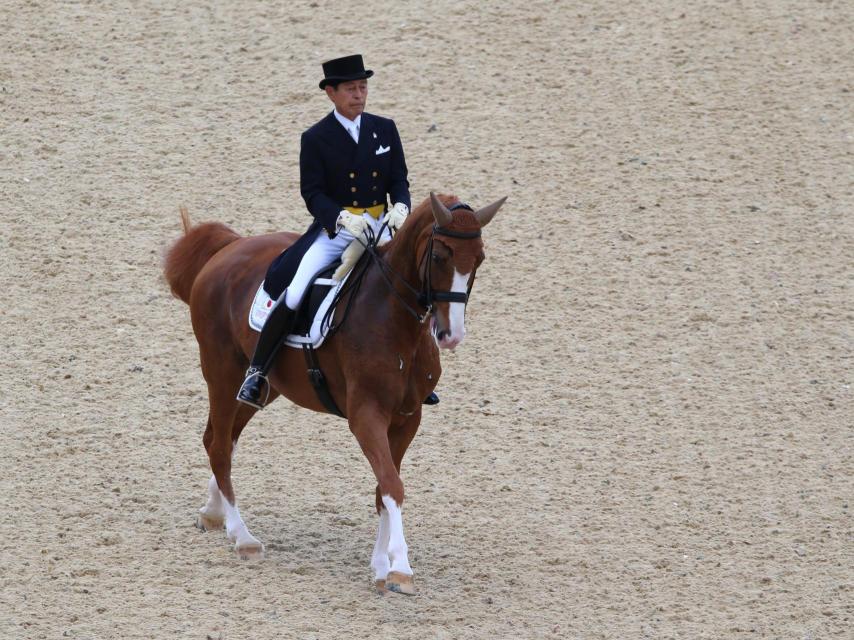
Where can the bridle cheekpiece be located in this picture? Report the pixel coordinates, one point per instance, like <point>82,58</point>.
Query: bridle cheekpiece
<point>429,295</point>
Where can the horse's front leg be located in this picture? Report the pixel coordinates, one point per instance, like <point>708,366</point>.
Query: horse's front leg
<point>400,435</point>
<point>399,577</point>
<point>380,562</point>
<point>390,560</point>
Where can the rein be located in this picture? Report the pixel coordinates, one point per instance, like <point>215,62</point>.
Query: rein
<point>426,297</point>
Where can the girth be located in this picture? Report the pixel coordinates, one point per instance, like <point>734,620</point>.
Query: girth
<point>318,381</point>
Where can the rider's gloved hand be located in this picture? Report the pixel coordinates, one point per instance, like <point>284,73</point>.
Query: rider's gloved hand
<point>356,225</point>
<point>397,216</point>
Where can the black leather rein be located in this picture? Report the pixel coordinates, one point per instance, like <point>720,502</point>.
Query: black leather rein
<point>428,296</point>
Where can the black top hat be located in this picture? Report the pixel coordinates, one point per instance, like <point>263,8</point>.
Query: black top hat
<point>344,69</point>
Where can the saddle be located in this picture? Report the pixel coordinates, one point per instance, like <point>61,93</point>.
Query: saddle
<point>315,312</point>
<point>314,317</point>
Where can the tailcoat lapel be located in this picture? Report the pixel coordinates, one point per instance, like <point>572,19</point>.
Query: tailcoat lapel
<point>366,139</point>
<point>337,134</point>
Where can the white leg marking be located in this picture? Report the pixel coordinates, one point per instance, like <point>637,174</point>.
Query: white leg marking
<point>397,549</point>
<point>236,529</point>
<point>214,507</point>
<point>379,560</point>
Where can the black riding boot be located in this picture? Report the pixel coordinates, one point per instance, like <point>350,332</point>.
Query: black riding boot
<point>276,328</point>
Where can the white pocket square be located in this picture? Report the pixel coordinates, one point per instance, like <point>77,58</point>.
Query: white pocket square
<point>382,150</point>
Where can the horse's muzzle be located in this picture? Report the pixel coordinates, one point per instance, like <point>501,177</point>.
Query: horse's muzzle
<point>445,338</point>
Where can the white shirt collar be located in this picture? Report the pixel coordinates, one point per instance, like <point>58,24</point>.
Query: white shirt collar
<point>352,126</point>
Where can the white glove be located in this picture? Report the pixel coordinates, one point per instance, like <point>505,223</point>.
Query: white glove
<point>356,225</point>
<point>397,216</point>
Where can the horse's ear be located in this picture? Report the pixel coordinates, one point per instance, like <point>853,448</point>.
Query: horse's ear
<point>440,212</point>
<point>486,214</point>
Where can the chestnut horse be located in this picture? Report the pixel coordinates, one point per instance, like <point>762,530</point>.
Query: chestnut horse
<point>379,364</point>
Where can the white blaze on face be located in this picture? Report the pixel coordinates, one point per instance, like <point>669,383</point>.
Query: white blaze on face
<point>456,313</point>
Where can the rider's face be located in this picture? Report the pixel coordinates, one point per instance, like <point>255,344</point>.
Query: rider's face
<point>349,97</point>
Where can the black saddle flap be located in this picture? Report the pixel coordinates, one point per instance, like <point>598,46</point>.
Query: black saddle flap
<point>312,300</point>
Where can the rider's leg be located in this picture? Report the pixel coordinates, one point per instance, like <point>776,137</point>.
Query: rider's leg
<point>324,251</point>
<point>279,323</point>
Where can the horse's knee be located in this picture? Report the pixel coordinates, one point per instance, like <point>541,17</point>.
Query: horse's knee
<point>390,486</point>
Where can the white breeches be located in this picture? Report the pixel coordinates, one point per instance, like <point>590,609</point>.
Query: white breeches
<point>323,252</point>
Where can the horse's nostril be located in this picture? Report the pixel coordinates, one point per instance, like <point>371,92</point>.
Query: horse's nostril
<point>442,334</point>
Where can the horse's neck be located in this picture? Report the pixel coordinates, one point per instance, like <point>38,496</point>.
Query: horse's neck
<point>378,301</point>
<point>402,253</point>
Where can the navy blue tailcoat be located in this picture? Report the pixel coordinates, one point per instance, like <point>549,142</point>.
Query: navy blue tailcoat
<point>335,172</point>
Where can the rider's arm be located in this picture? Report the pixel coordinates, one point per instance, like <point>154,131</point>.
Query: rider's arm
<point>398,189</point>
<point>311,172</point>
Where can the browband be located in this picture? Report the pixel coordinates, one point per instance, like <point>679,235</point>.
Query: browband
<point>462,235</point>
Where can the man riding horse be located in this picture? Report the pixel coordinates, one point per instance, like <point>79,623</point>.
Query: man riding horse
<point>351,166</point>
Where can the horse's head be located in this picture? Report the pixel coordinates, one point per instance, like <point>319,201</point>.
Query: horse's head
<point>453,252</point>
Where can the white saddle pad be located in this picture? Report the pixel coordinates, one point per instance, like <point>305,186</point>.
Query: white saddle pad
<point>263,303</point>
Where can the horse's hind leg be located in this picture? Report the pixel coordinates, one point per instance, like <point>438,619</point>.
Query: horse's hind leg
<point>212,514</point>
<point>226,421</point>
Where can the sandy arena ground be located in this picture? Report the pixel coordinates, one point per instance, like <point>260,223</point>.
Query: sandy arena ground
<point>648,431</point>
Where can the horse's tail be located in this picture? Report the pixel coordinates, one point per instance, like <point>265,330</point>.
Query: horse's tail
<point>191,252</point>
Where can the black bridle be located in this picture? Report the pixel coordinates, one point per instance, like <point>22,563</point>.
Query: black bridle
<point>427,296</point>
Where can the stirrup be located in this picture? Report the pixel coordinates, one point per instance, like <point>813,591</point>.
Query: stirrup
<point>253,374</point>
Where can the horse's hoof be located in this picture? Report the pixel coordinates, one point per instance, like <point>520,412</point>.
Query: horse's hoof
<point>400,583</point>
<point>379,587</point>
<point>250,551</point>
<point>206,523</point>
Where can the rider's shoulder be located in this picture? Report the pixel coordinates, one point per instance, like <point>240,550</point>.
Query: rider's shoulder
<point>380,120</point>
<point>314,130</point>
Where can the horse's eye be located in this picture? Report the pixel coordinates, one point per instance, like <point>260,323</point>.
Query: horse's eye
<point>437,258</point>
